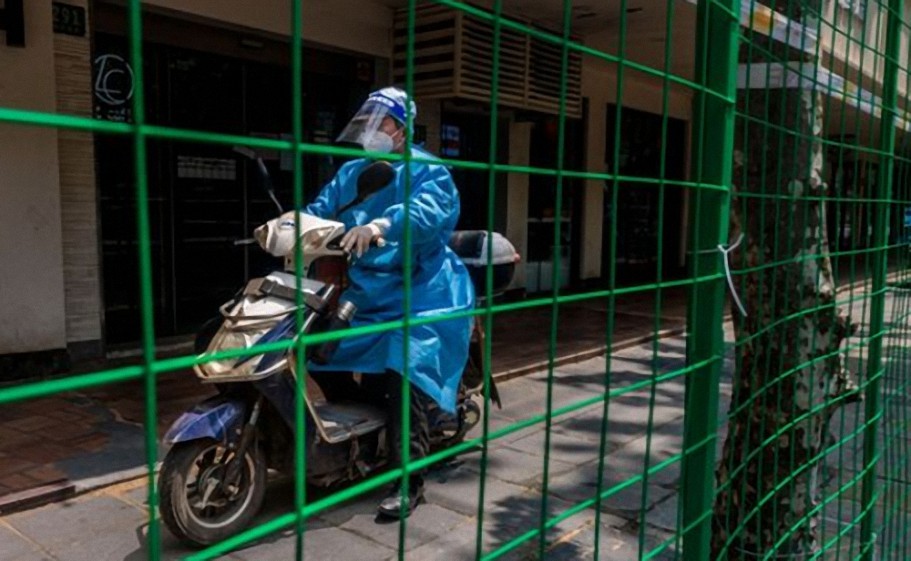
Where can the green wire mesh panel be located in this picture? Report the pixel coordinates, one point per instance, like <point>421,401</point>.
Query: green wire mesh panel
<point>771,173</point>
<point>815,188</point>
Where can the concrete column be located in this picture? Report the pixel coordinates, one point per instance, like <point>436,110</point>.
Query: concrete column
<point>429,115</point>
<point>593,207</point>
<point>517,202</point>
<point>78,194</point>
<point>687,199</point>
<point>31,253</point>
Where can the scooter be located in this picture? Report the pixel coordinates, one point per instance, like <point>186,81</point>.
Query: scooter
<point>213,478</point>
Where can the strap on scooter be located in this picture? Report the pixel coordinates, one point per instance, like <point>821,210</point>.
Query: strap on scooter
<point>268,287</point>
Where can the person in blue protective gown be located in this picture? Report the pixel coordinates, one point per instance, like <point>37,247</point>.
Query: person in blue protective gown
<point>437,352</point>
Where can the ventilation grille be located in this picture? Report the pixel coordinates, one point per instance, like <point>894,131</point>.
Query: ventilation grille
<point>453,58</point>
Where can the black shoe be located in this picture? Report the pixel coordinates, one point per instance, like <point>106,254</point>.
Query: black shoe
<point>392,504</point>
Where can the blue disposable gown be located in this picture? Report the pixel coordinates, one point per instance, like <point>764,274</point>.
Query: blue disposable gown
<point>440,283</point>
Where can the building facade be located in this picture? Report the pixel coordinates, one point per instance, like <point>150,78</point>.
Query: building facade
<point>68,280</point>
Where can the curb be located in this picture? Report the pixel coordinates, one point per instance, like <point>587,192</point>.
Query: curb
<point>92,483</point>
<point>66,489</point>
<point>37,496</point>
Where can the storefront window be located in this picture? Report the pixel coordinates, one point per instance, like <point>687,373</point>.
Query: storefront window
<point>202,196</point>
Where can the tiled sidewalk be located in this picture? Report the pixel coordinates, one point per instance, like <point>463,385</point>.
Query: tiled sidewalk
<point>636,522</point>
<point>447,526</point>
<point>53,446</point>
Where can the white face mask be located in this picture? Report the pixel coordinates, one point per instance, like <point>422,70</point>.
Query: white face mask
<point>378,142</point>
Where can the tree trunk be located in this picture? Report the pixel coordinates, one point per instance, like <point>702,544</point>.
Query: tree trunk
<point>768,477</point>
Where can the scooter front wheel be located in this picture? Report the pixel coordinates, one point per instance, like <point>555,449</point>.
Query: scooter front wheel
<point>197,505</point>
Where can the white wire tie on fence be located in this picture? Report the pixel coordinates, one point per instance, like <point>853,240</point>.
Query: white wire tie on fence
<point>725,252</point>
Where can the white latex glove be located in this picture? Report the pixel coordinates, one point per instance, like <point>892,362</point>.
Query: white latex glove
<point>358,239</point>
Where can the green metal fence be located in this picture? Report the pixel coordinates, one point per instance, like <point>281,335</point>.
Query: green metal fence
<point>801,154</point>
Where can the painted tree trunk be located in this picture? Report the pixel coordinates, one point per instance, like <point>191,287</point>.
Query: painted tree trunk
<point>768,478</point>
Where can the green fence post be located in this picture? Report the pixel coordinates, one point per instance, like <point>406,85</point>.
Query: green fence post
<point>880,264</point>
<point>143,229</point>
<point>713,144</point>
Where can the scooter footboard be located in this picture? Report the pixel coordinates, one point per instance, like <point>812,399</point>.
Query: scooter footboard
<point>215,418</point>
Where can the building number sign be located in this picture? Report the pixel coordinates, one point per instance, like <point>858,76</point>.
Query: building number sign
<point>69,19</point>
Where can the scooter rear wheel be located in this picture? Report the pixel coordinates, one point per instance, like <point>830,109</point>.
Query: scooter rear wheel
<point>195,504</point>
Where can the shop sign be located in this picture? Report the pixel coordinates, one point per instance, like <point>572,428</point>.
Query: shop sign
<point>194,167</point>
<point>69,19</point>
<point>451,144</point>
<point>113,88</point>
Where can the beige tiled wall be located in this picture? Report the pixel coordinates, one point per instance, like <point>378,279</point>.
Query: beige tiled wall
<point>81,267</point>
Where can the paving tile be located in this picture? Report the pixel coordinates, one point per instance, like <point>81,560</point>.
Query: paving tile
<point>44,452</point>
<point>504,423</point>
<point>627,418</point>
<point>79,530</point>
<point>624,423</point>
<point>568,551</point>
<point>364,505</point>
<point>456,487</point>
<point>9,412</point>
<point>664,514</point>
<point>125,450</point>
<point>663,444</point>
<point>14,547</point>
<point>43,405</point>
<point>18,481</point>
<point>171,548</point>
<point>460,545</point>
<point>32,423</point>
<point>321,543</point>
<point>582,484</point>
<point>68,432</point>
<point>138,495</point>
<point>622,544</point>
<point>91,442</point>
<point>499,417</point>
<point>11,438</point>
<point>518,467</point>
<point>525,397</point>
<point>45,473</point>
<point>563,447</point>
<point>69,415</point>
<point>9,466</point>
<point>429,522</point>
<point>514,515</point>
<point>456,545</point>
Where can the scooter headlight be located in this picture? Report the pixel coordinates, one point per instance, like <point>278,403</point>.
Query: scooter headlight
<point>225,340</point>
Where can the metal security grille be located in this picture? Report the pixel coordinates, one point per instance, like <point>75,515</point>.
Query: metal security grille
<point>799,197</point>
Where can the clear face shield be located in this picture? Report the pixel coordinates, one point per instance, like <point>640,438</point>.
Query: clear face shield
<point>375,127</point>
